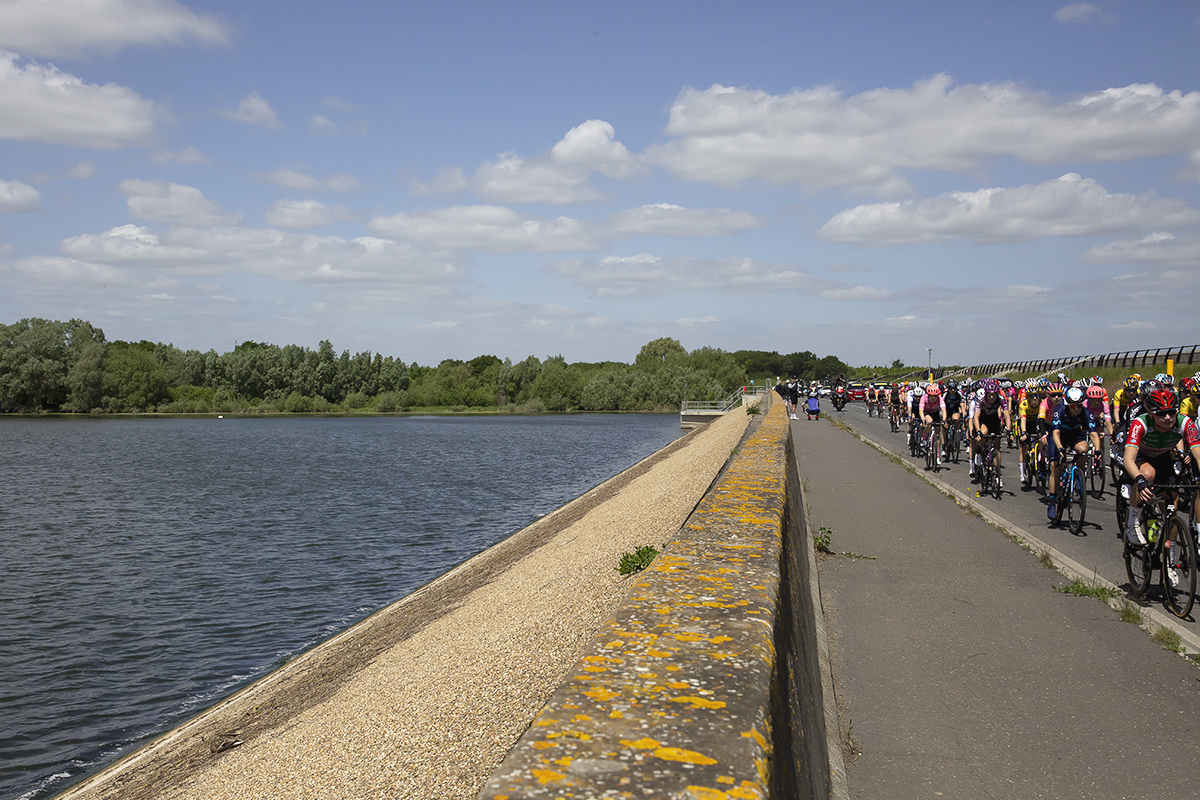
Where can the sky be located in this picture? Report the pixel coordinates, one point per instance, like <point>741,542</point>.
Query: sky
<point>996,181</point>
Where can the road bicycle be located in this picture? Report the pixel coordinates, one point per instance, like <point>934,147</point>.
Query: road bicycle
<point>895,418</point>
<point>1037,467</point>
<point>1072,499</point>
<point>989,474</point>
<point>929,443</point>
<point>954,438</point>
<point>914,440</point>
<point>1097,473</point>
<point>1171,546</point>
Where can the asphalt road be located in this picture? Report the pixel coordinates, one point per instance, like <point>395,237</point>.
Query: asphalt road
<point>1097,547</point>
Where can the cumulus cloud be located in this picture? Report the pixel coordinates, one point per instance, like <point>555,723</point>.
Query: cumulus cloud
<point>646,276</point>
<point>557,178</point>
<point>17,196</point>
<point>82,27</point>
<point>396,269</point>
<point>501,230</point>
<point>1067,206</point>
<point>40,104</point>
<point>291,179</point>
<point>188,155</point>
<point>254,110</point>
<point>665,219</point>
<point>174,204</point>
<point>492,228</point>
<point>1160,247</point>
<point>304,214</point>
<point>821,139</point>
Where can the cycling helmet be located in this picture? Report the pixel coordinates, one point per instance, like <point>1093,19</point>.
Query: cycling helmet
<point>935,390</point>
<point>917,392</point>
<point>1162,399</point>
<point>990,386</point>
<point>1149,388</point>
<point>1188,385</point>
<point>1132,381</point>
<point>1096,393</point>
<point>1074,396</point>
<point>952,385</point>
<point>1006,384</point>
<point>1055,388</point>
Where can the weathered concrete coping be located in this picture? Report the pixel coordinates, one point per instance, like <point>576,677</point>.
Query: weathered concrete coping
<point>674,697</point>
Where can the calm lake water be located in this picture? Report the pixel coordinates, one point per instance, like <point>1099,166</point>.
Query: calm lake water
<point>150,567</point>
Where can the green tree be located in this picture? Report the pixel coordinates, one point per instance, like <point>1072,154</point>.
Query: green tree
<point>658,353</point>
<point>134,380</point>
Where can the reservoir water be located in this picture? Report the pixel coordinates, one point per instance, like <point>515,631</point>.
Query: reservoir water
<point>151,567</point>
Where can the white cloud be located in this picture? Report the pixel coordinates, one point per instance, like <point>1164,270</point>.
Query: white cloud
<point>188,155</point>
<point>17,196</point>
<point>492,228</point>
<point>501,230</point>
<point>172,203</point>
<point>291,179</point>
<point>254,110</point>
<point>394,272</point>
<point>645,276</point>
<point>693,321</point>
<point>1067,206</point>
<point>41,104</point>
<point>81,27</point>
<point>557,178</point>
<point>321,125</point>
<point>82,170</point>
<point>343,183</point>
<point>1156,248</point>
<point>665,219</point>
<point>1190,172</point>
<point>1082,12</point>
<point>856,293</point>
<point>1133,326</point>
<point>821,139</point>
<point>303,214</point>
<point>286,179</point>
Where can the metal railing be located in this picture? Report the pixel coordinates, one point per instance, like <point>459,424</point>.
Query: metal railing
<point>1129,359</point>
<point>728,404</point>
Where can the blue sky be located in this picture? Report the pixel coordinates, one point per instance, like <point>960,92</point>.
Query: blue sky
<point>445,180</point>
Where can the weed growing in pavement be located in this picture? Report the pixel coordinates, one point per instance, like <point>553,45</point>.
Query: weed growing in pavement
<point>1130,612</point>
<point>849,554</point>
<point>1082,589</point>
<point>1169,639</point>
<point>1045,559</point>
<point>637,561</point>
<point>753,410</point>
<point>822,540</point>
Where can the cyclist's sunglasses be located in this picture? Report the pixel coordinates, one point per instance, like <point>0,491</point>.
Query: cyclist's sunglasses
<point>1164,414</point>
<point>1056,394</point>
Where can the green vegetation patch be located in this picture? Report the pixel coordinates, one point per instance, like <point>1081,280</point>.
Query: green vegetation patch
<point>1084,589</point>
<point>638,560</point>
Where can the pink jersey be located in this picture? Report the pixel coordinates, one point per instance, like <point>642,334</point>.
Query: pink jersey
<point>1099,409</point>
<point>931,406</point>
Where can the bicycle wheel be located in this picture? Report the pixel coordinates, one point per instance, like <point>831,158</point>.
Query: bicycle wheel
<point>1097,477</point>
<point>1077,501</point>
<point>996,483</point>
<point>1138,568</point>
<point>1179,569</point>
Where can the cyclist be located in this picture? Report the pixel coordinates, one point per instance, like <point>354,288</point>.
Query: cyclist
<point>1123,398</point>
<point>894,403</point>
<point>932,408</point>
<point>1027,417</point>
<point>953,399</point>
<point>913,408</point>
<point>991,419</point>
<point>1071,425</point>
<point>1153,437</point>
<point>1189,391</point>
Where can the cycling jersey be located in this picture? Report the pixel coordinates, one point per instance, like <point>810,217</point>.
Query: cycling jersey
<point>934,408</point>
<point>1151,442</point>
<point>1072,427</point>
<point>1098,409</point>
<point>953,401</point>
<point>1189,407</point>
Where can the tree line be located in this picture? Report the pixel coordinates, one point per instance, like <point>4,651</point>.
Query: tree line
<point>51,366</point>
